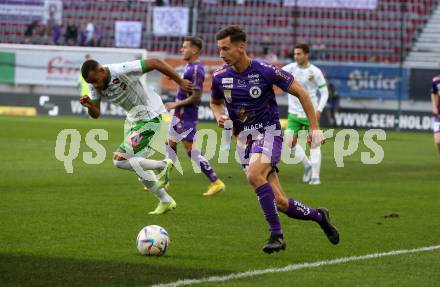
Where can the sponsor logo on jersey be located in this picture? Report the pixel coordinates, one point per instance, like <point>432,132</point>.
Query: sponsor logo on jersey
<point>228,96</point>
<point>116,81</point>
<point>253,127</point>
<point>253,76</point>
<point>241,83</point>
<point>255,92</point>
<point>227,80</point>
<point>228,86</point>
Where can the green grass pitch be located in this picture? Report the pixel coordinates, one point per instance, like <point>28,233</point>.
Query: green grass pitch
<point>79,229</point>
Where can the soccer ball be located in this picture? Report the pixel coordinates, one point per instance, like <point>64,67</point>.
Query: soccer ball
<point>152,240</point>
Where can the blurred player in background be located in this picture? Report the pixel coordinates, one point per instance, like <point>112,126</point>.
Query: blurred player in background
<point>312,79</point>
<point>245,87</point>
<point>120,84</point>
<point>435,95</point>
<point>185,117</point>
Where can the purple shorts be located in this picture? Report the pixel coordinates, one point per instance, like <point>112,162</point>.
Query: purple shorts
<point>270,146</point>
<point>437,125</point>
<point>181,130</point>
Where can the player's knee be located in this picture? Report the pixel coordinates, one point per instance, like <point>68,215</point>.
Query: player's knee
<point>255,179</point>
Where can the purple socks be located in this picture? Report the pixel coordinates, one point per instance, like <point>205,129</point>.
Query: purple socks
<point>268,205</point>
<point>301,211</point>
<point>203,163</point>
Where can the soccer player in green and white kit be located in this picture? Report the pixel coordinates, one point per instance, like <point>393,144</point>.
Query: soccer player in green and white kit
<point>120,84</point>
<point>312,79</point>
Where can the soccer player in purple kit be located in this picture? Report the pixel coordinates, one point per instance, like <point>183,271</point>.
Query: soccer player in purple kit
<point>245,87</point>
<point>185,118</point>
<point>435,95</point>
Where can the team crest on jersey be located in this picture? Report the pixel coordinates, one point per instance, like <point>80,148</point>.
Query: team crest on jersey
<point>136,138</point>
<point>255,92</point>
<point>123,86</point>
<point>228,95</point>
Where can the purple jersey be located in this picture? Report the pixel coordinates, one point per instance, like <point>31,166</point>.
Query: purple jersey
<point>249,96</point>
<point>436,88</point>
<point>194,73</point>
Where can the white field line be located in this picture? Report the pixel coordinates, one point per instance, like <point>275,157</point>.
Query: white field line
<point>292,267</point>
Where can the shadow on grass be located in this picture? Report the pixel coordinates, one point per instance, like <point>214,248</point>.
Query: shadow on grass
<point>20,270</point>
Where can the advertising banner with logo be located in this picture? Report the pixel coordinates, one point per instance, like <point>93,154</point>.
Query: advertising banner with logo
<point>366,81</point>
<point>344,4</point>
<point>128,34</point>
<point>44,11</point>
<point>59,66</point>
<point>58,105</point>
<point>170,21</point>
<point>379,119</point>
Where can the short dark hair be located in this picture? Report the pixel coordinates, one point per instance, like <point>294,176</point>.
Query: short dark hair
<point>87,66</point>
<point>195,41</point>
<point>303,47</point>
<point>235,33</point>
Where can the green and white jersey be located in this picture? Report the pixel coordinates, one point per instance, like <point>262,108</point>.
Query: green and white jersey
<point>312,79</point>
<point>126,90</point>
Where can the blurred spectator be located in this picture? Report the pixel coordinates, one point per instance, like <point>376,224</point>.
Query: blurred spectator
<point>97,37</point>
<point>51,22</point>
<point>44,35</point>
<point>90,33</point>
<point>29,32</point>
<point>71,34</point>
<point>56,34</point>
<point>82,35</point>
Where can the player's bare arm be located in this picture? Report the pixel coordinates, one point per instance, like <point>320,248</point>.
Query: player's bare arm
<point>164,68</point>
<point>94,109</point>
<point>218,109</point>
<point>434,99</point>
<point>194,99</point>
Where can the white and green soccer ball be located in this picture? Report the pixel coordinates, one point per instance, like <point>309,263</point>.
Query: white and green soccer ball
<point>152,240</point>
